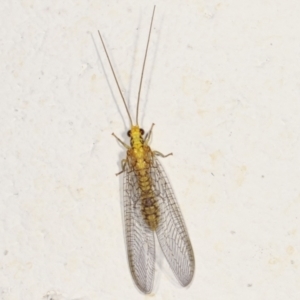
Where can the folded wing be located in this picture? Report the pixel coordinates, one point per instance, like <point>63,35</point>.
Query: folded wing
<point>171,232</point>
<point>139,238</point>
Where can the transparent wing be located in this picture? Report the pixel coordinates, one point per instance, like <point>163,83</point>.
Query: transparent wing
<point>139,237</point>
<point>171,232</point>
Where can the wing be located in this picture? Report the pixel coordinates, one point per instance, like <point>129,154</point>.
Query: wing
<point>139,238</point>
<point>171,232</point>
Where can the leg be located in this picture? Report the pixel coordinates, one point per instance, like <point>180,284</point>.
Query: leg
<point>123,162</point>
<point>160,154</point>
<point>125,145</point>
<point>147,137</point>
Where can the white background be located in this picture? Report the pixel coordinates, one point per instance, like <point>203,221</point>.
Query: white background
<point>222,85</point>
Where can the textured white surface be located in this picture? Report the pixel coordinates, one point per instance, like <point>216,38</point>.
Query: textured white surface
<point>222,84</point>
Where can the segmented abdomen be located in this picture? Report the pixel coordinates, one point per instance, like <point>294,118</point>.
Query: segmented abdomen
<point>141,164</point>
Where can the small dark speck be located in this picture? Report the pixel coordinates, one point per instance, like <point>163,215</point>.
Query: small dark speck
<point>5,252</point>
<point>271,44</point>
<point>212,174</point>
<point>262,176</point>
<point>232,232</point>
<point>292,262</point>
<point>249,285</point>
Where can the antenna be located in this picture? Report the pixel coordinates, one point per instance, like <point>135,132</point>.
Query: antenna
<point>142,75</point>
<point>115,77</point>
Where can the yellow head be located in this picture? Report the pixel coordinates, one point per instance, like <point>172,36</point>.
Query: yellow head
<point>136,135</point>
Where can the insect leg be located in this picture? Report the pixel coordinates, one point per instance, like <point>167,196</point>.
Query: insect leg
<point>123,162</point>
<point>147,137</point>
<point>125,145</point>
<point>160,154</point>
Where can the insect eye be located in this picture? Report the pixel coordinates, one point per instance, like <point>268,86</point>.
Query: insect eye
<point>129,133</point>
<point>142,131</point>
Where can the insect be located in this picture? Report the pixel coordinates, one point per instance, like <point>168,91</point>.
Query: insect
<point>150,206</point>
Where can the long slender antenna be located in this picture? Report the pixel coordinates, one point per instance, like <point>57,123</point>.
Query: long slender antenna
<point>115,78</point>
<point>141,81</point>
